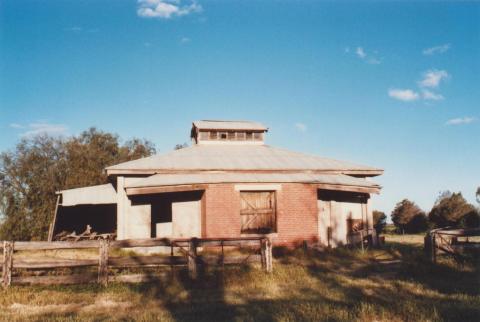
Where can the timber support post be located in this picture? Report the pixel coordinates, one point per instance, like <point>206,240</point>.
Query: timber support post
<point>51,229</point>
<point>192,258</point>
<point>7,263</point>
<point>263,257</point>
<point>266,254</point>
<point>103,262</point>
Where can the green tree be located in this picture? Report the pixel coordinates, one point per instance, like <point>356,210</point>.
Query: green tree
<point>409,218</point>
<point>478,194</point>
<point>379,221</point>
<point>454,210</point>
<point>39,166</point>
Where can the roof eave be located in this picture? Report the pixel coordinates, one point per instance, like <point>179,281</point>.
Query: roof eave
<point>366,173</point>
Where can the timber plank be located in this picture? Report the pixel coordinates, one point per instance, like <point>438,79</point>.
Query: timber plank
<point>135,261</point>
<point>34,245</point>
<point>53,263</point>
<point>229,260</point>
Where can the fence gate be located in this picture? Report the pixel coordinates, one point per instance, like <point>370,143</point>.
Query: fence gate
<point>257,211</point>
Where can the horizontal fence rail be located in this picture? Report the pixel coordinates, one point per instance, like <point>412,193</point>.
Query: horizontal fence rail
<point>446,240</point>
<point>187,247</point>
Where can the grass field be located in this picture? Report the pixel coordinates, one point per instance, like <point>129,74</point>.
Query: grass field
<point>395,283</point>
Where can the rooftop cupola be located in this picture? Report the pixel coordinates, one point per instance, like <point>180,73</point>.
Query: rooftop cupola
<point>227,132</point>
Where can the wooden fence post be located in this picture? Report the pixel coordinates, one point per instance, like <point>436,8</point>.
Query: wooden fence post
<point>266,255</point>
<point>434,249</point>
<point>103,262</point>
<point>263,253</point>
<point>7,263</point>
<point>192,259</point>
<point>269,256</point>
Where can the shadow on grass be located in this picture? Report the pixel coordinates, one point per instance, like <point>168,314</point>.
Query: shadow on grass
<point>397,281</point>
<point>394,283</point>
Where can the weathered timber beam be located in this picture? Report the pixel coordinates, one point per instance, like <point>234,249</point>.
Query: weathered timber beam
<point>126,243</point>
<point>228,260</point>
<point>34,245</point>
<point>53,263</point>
<point>163,189</point>
<point>135,261</point>
<point>348,188</point>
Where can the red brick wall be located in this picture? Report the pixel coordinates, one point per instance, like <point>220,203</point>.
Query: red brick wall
<point>222,211</point>
<point>296,212</point>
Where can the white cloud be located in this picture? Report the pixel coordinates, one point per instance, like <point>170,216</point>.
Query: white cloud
<point>461,120</point>
<point>16,126</point>
<point>184,40</point>
<point>360,52</point>
<point>432,78</point>
<point>78,29</point>
<point>165,9</point>
<point>436,50</point>
<point>301,127</point>
<point>40,127</point>
<point>428,95</point>
<point>373,61</point>
<point>74,29</point>
<point>406,95</point>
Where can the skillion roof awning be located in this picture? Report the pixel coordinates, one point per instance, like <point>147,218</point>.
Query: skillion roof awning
<point>196,181</point>
<point>93,195</point>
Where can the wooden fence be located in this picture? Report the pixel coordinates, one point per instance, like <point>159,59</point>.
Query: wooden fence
<point>186,247</point>
<point>446,240</point>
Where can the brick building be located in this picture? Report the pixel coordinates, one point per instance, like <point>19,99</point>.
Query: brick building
<point>229,183</point>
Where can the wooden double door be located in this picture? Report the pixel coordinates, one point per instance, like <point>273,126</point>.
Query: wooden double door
<point>258,212</point>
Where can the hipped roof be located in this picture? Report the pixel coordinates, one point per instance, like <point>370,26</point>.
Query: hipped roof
<point>239,157</point>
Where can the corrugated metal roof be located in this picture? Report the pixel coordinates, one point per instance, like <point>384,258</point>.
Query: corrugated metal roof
<point>229,125</point>
<point>93,195</point>
<point>210,178</point>
<point>240,157</point>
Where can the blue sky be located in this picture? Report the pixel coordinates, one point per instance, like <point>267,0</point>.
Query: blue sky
<point>389,84</point>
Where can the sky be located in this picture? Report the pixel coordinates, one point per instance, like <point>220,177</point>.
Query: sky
<point>393,85</point>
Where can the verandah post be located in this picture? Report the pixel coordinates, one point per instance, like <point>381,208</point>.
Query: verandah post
<point>7,263</point>
<point>103,262</point>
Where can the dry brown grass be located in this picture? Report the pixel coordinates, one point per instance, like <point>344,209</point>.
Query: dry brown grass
<point>392,284</point>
